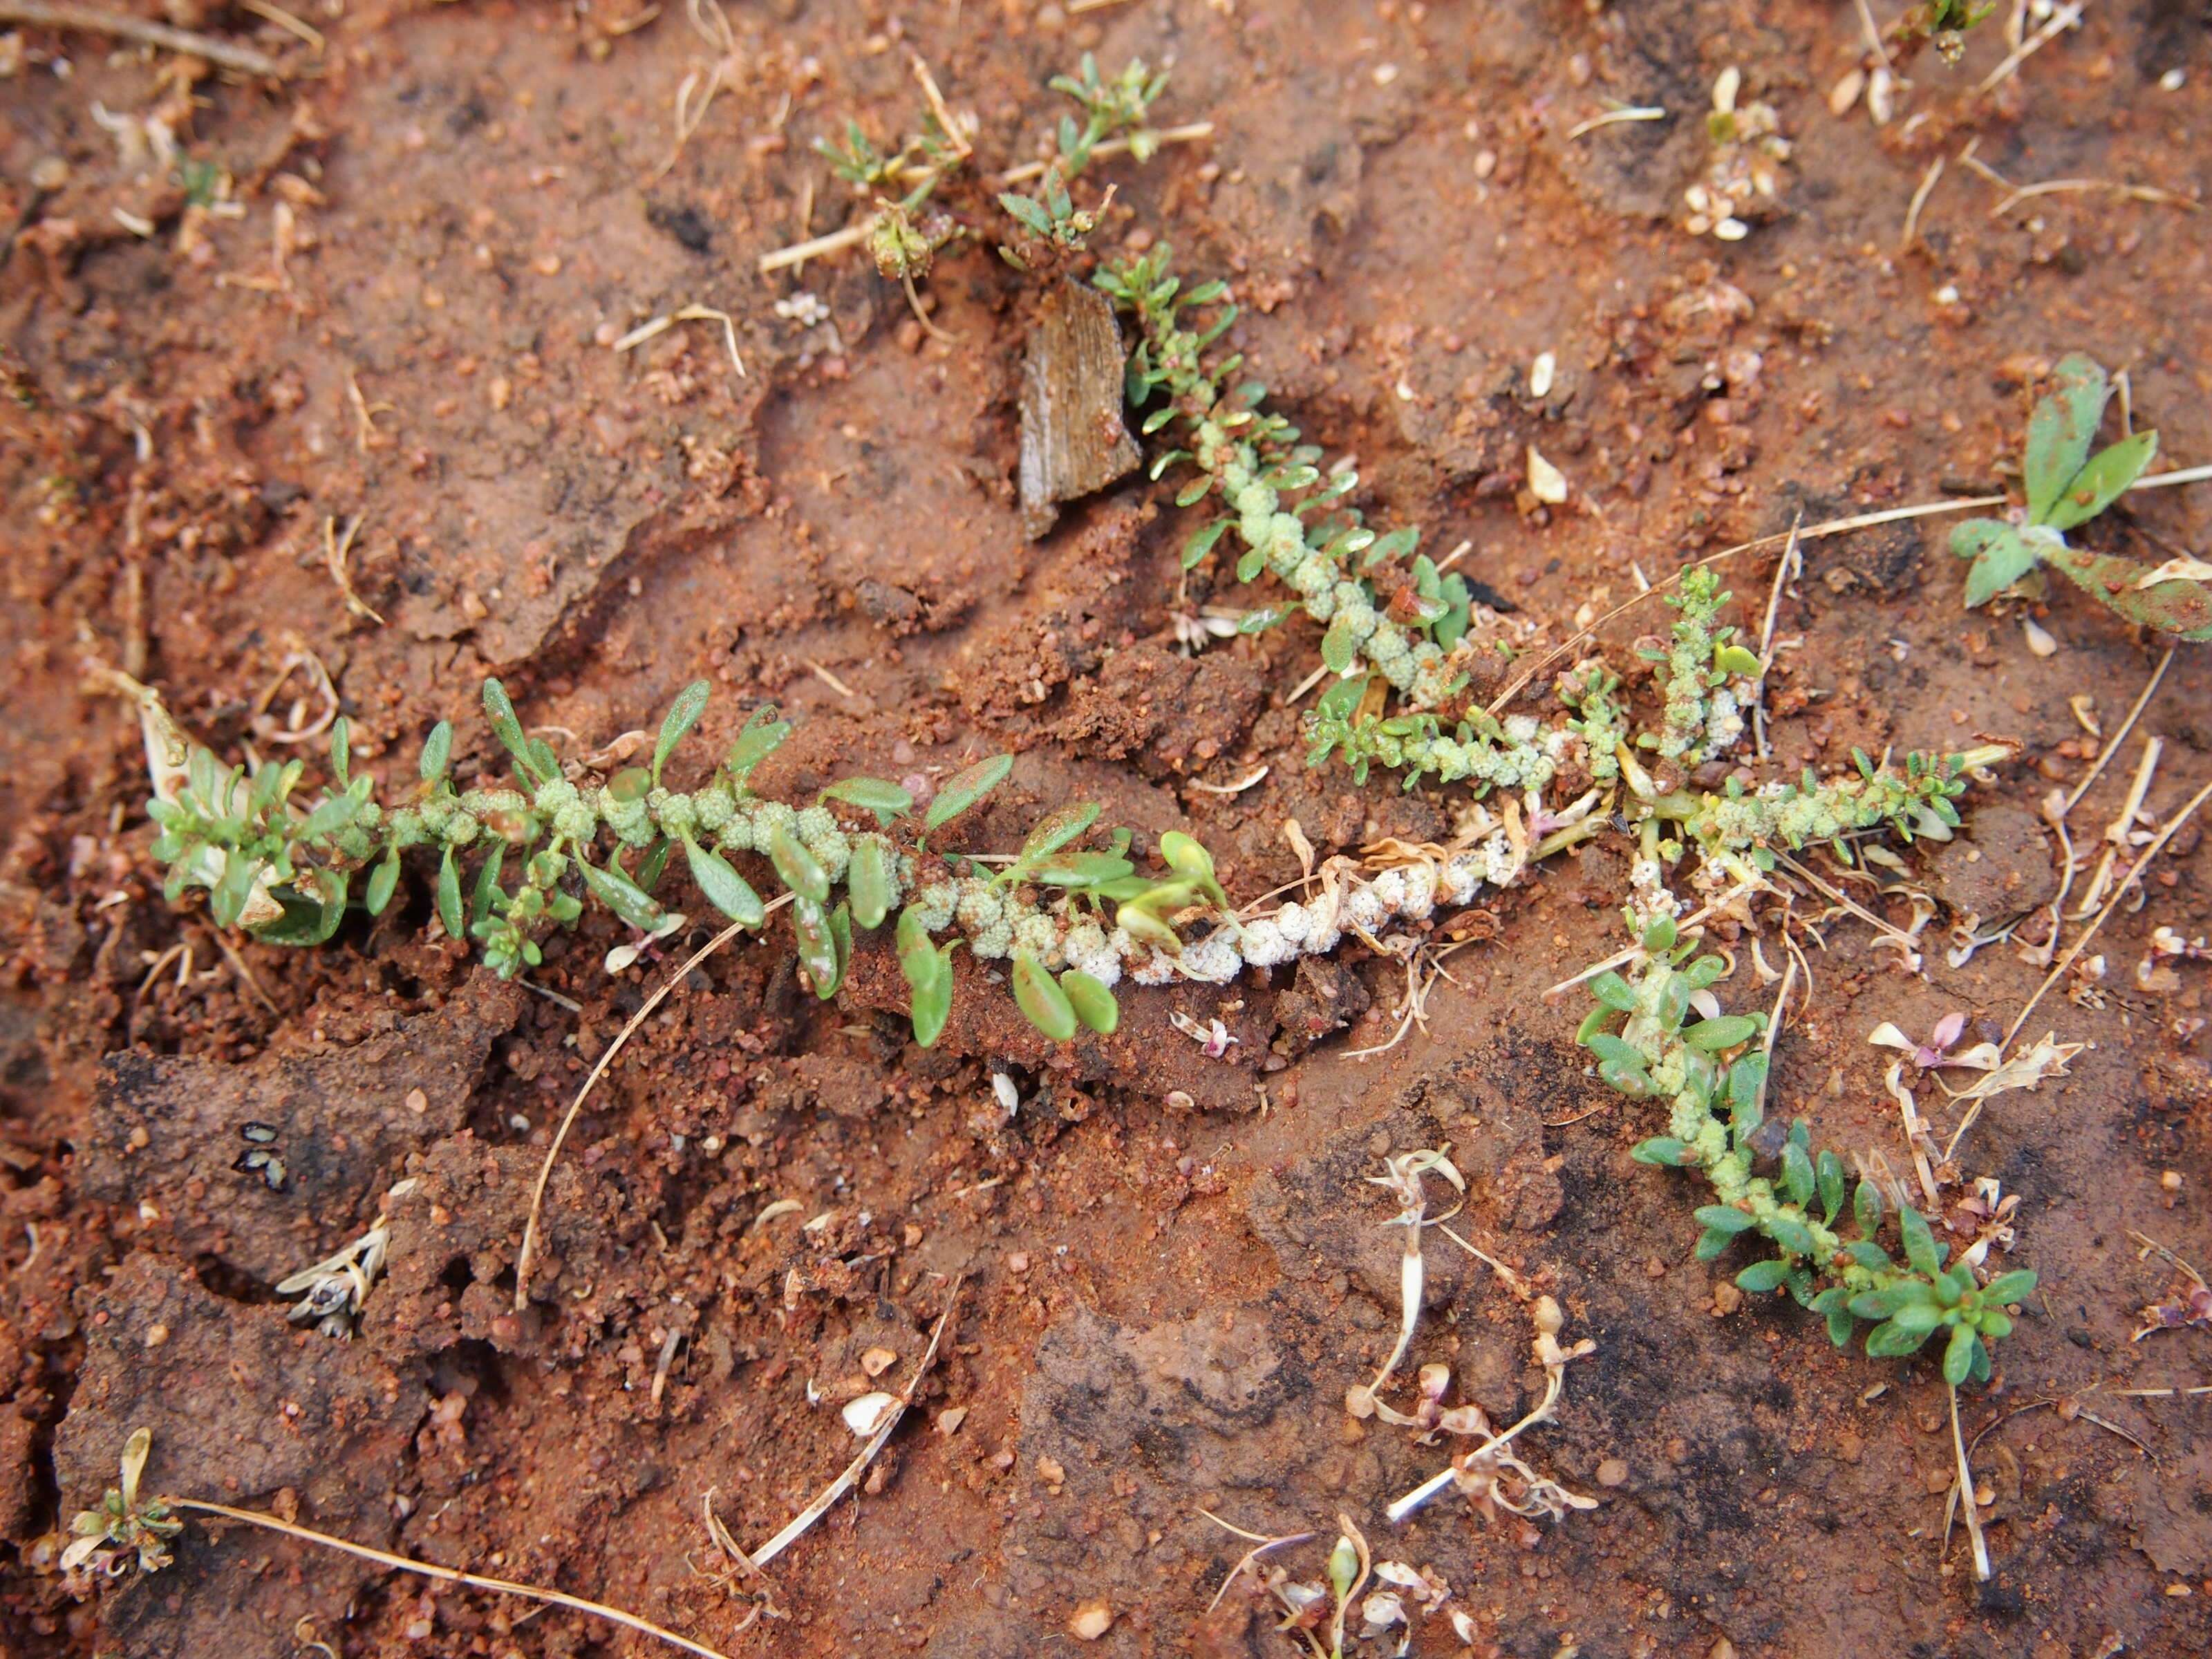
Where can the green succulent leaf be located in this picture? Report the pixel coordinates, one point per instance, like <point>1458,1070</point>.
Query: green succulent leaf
<point>2060,431</point>
<point>1058,828</point>
<point>1712,1244</point>
<point>437,753</point>
<point>877,795</point>
<point>485,897</point>
<point>1726,1218</point>
<point>1894,1341</point>
<point>1763,1276</point>
<point>1092,1001</point>
<point>1792,1233</point>
<point>1829,1170</point>
<point>341,751</point>
<point>1664,1150</point>
<point>1797,1177</point>
<point>964,789</point>
<point>683,715</point>
<point>1199,545</point>
<point>499,709</point>
<point>1919,1242</point>
<point>1866,1207</point>
<point>1712,1036</point>
<point>762,734</point>
<point>622,895</point>
<point>2015,1287</point>
<point>383,881</point>
<point>799,870</point>
<point>722,886</point>
<point>2103,481</point>
<point>2001,556</point>
<point>1614,991</point>
<point>449,896</point>
<point>1959,1358</point>
<point>868,882</point>
<point>1041,999</point>
<point>2178,606</point>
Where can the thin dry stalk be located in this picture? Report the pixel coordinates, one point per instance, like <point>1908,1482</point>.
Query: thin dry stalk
<point>2064,18</point>
<point>86,20</point>
<point>2074,800</point>
<point>336,546</point>
<point>545,1171</point>
<point>2120,892</point>
<point>1809,533</point>
<point>1190,133</point>
<point>448,1575</point>
<point>843,1484</point>
<point>2119,187</point>
<point>2118,831</point>
<point>1919,201</point>
<point>1613,117</point>
<point>692,313</point>
<point>1982,1570</point>
<point>1261,1547</point>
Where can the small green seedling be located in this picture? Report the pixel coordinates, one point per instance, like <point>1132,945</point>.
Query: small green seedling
<point>124,1532</point>
<point>2067,487</point>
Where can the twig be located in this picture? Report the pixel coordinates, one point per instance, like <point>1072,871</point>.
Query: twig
<point>2133,876</point>
<point>833,241</point>
<point>1625,112</point>
<point>546,1171</point>
<point>1810,533</point>
<point>2116,186</point>
<point>1190,133</point>
<point>1982,1570</point>
<point>1919,200</point>
<point>2120,736</point>
<point>843,1484</point>
<point>337,544</point>
<point>86,20</point>
<point>448,1575</point>
<point>693,314</point>
<point>2117,832</point>
<point>1263,1546</point>
<point>2064,18</point>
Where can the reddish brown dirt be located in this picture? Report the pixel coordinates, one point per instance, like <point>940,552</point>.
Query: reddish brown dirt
<point>1159,1308</point>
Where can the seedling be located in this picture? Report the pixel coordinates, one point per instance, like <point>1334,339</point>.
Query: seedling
<point>129,1531</point>
<point>2067,487</point>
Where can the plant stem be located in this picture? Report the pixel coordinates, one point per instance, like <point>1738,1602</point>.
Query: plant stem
<point>448,1575</point>
<point>86,20</point>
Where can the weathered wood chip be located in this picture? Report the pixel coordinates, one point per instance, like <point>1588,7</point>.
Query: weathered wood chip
<point>1073,439</point>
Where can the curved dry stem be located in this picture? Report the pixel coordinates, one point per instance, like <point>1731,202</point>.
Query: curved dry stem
<point>546,1171</point>
<point>448,1575</point>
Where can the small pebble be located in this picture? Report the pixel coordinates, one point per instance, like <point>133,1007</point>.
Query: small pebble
<point>1091,1620</point>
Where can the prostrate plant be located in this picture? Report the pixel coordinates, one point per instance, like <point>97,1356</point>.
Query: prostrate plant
<point>1069,920</point>
<point>1712,1076</point>
<point>2067,487</point>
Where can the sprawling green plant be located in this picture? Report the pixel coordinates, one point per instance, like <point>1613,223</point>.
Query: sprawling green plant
<point>1712,1075</point>
<point>2067,487</point>
<point>287,873</point>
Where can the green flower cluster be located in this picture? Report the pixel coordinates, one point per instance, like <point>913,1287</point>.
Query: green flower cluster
<point>1915,801</point>
<point>1703,716</point>
<point>1714,1079</point>
<point>1271,485</point>
<point>1516,753</point>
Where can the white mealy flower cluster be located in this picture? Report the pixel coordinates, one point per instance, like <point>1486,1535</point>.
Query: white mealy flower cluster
<point>998,921</point>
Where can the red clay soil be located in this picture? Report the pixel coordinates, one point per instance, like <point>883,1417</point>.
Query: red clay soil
<point>400,315</point>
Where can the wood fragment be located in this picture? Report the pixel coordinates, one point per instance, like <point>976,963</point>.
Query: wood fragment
<point>88,20</point>
<point>1073,440</point>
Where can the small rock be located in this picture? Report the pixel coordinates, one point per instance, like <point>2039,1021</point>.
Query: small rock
<point>1612,1472</point>
<point>1090,1622</point>
<point>1051,1471</point>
